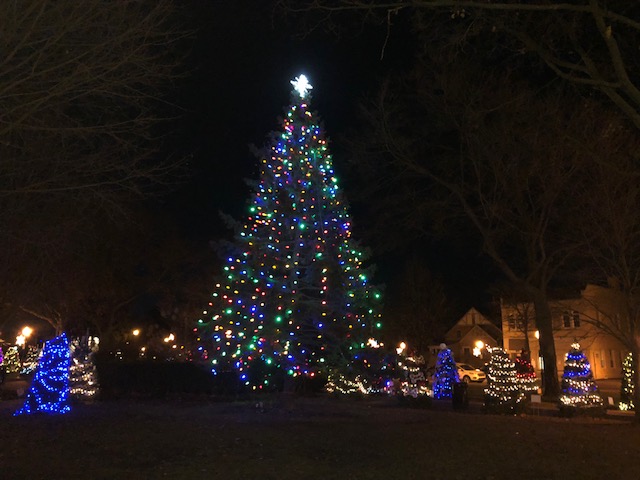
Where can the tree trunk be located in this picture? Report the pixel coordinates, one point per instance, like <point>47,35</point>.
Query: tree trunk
<point>550,383</point>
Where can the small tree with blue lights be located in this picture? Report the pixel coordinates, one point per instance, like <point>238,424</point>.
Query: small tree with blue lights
<point>49,391</point>
<point>503,393</point>
<point>446,374</point>
<point>627,386</point>
<point>579,390</point>
<point>295,300</point>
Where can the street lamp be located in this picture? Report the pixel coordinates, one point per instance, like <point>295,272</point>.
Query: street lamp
<point>477,350</point>
<point>21,339</point>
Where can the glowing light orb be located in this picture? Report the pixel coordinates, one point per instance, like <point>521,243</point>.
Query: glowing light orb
<point>301,85</point>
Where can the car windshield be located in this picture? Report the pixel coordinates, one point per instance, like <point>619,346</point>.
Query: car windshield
<point>465,367</point>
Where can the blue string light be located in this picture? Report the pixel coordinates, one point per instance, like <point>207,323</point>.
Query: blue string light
<point>446,374</point>
<point>49,391</point>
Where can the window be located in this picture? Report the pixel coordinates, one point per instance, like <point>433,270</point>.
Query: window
<point>515,322</point>
<point>467,353</point>
<point>571,319</point>
<point>612,361</point>
<point>602,359</point>
<point>576,319</point>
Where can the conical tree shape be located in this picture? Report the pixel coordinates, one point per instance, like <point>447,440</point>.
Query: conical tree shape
<point>503,393</point>
<point>579,390</point>
<point>296,298</point>
<point>525,374</point>
<point>49,391</point>
<point>627,386</point>
<point>11,360</point>
<point>83,376</point>
<point>446,374</point>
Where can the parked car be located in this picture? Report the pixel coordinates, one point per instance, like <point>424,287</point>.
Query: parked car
<point>468,373</point>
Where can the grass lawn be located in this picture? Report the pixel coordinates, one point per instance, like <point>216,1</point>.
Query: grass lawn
<point>309,438</point>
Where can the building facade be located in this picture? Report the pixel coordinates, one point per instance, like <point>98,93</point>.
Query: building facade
<point>578,320</point>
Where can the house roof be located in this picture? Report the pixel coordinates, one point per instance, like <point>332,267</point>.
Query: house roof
<point>488,329</point>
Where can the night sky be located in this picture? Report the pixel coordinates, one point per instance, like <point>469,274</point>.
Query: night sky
<point>242,65</point>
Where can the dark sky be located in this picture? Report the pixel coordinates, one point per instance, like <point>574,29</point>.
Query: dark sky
<point>240,86</point>
<point>242,62</point>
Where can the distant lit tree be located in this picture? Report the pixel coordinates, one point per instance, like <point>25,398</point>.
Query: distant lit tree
<point>49,390</point>
<point>83,376</point>
<point>446,374</point>
<point>627,387</point>
<point>579,390</point>
<point>525,374</point>
<point>503,393</point>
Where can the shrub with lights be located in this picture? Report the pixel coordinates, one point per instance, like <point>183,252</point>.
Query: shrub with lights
<point>83,377</point>
<point>49,391</point>
<point>627,387</point>
<point>503,393</point>
<point>525,374</point>
<point>411,381</point>
<point>579,390</point>
<point>30,359</point>
<point>11,360</point>
<point>446,374</point>
<point>296,298</point>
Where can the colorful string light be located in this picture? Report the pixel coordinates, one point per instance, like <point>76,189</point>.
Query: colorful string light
<point>295,296</point>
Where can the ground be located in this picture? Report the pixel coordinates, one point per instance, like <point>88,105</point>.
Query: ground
<point>309,438</point>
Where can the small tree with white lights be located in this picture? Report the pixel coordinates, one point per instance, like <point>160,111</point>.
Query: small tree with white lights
<point>83,377</point>
<point>411,383</point>
<point>503,393</point>
<point>579,390</point>
<point>627,386</point>
<point>11,360</point>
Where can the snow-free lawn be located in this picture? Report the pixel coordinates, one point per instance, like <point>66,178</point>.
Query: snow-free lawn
<point>309,438</point>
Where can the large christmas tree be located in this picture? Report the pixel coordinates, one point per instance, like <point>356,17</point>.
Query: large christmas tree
<point>296,297</point>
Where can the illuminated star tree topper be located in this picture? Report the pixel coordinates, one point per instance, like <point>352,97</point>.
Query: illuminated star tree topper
<point>301,85</point>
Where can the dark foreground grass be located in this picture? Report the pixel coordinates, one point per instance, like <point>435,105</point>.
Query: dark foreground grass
<point>309,438</point>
